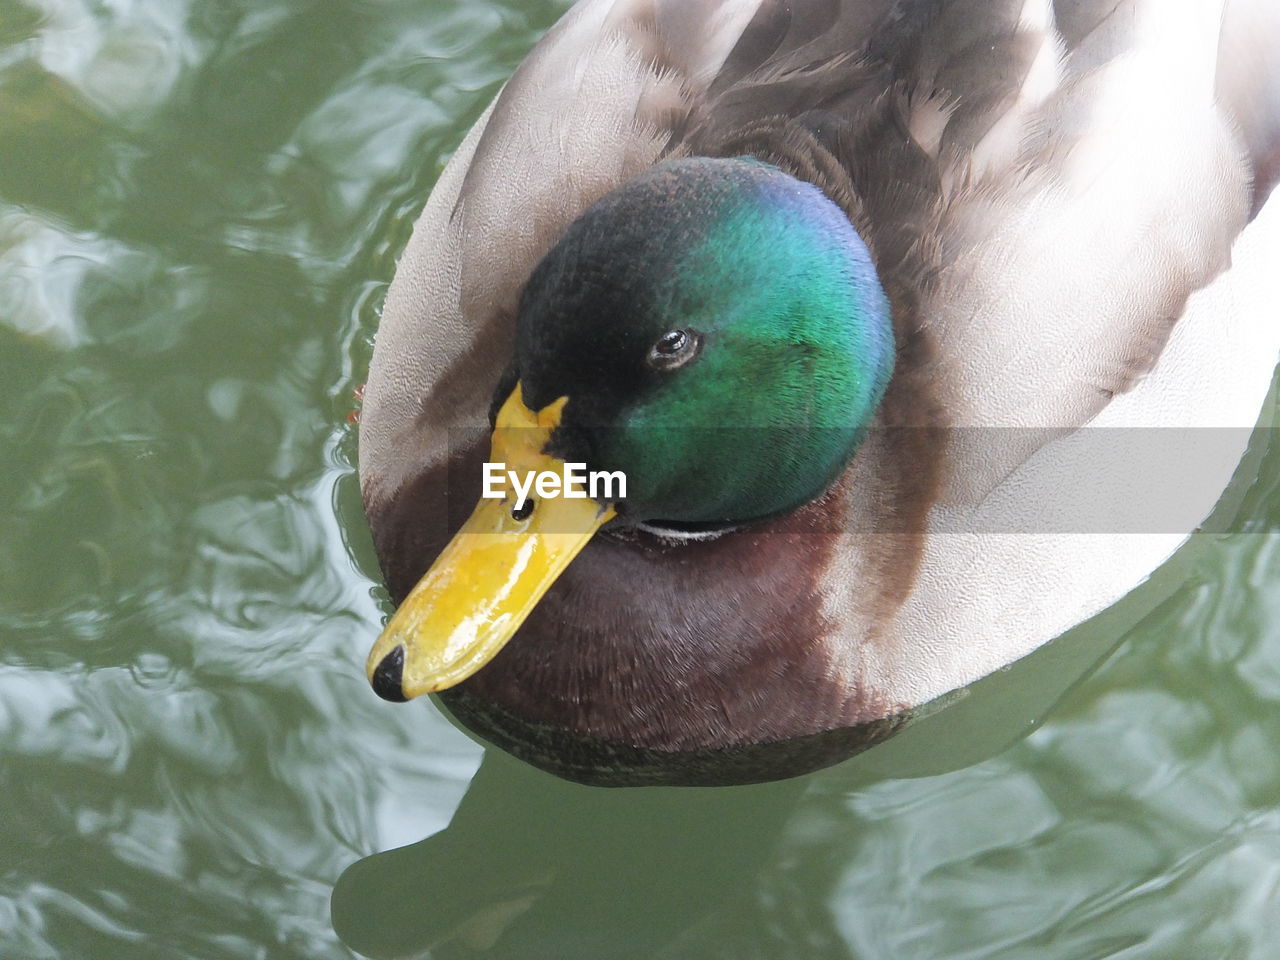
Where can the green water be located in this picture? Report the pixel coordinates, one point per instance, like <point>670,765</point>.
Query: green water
<point>201,204</point>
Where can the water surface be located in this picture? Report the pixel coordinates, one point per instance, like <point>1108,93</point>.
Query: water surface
<point>200,208</point>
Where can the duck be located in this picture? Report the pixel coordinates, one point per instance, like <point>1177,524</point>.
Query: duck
<point>908,334</point>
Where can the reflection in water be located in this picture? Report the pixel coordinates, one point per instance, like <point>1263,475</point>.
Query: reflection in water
<point>534,867</point>
<point>200,206</point>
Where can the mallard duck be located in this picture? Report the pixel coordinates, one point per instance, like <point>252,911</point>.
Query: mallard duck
<point>919,332</point>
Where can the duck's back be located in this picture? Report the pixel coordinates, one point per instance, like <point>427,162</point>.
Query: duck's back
<point>1067,203</point>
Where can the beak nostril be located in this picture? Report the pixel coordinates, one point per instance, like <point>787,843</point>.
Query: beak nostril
<point>388,678</point>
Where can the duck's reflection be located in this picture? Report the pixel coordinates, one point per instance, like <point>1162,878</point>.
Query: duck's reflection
<point>532,867</point>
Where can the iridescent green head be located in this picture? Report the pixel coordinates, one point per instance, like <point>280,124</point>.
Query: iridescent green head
<point>722,337</point>
<point>714,329</point>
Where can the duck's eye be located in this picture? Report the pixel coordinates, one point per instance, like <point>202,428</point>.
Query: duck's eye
<point>674,349</point>
<point>523,512</point>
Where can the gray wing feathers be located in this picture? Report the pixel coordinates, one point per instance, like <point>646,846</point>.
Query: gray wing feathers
<point>1249,86</point>
<point>1078,225</point>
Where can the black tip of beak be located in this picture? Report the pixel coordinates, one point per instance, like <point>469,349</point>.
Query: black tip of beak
<point>388,678</point>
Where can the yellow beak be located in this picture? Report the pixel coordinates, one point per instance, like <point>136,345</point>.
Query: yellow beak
<point>493,572</point>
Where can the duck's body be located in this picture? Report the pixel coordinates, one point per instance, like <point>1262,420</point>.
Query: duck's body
<point>1067,205</point>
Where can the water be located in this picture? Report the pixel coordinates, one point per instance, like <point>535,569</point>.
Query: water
<point>200,208</point>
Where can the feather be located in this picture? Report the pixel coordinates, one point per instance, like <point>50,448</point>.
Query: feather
<point>1248,86</point>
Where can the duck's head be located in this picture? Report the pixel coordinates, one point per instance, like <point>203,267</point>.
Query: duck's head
<point>715,332</point>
